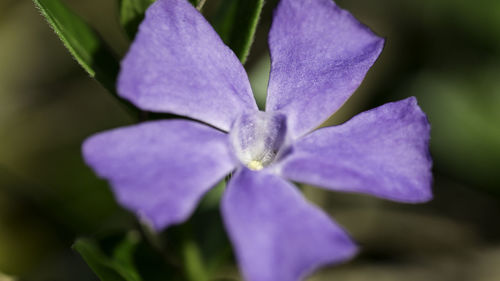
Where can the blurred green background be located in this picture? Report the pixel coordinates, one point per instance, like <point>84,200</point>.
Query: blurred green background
<point>444,52</point>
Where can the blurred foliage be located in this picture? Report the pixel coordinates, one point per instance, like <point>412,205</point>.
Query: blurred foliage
<point>119,267</point>
<point>464,108</point>
<point>445,52</point>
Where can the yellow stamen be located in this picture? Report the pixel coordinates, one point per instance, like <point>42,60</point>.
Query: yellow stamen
<point>255,165</point>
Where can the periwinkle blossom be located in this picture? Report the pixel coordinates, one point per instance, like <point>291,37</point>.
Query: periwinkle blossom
<point>320,54</point>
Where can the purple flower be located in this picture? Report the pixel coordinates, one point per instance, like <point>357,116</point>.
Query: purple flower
<point>320,54</point>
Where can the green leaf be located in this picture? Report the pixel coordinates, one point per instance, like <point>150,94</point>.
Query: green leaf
<point>82,41</point>
<point>236,23</point>
<point>132,14</point>
<point>197,3</point>
<point>118,267</point>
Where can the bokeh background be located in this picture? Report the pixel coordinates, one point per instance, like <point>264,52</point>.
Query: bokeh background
<point>444,52</point>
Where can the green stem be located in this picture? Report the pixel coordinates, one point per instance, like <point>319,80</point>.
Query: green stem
<point>200,4</point>
<point>193,262</point>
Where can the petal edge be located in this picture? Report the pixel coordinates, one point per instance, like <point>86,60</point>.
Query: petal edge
<point>382,152</point>
<point>178,64</point>
<point>161,169</point>
<point>276,234</point>
<point>319,56</point>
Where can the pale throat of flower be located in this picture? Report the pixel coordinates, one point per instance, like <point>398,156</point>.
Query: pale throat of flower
<point>258,138</point>
<point>255,165</point>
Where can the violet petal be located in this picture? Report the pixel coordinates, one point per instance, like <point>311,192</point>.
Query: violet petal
<point>160,169</point>
<point>178,64</point>
<point>319,56</point>
<point>277,235</point>
<point>383,152</point>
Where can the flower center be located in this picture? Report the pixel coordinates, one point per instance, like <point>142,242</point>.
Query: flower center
<point>258,137</point>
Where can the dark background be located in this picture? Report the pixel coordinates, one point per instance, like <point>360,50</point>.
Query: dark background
<point>444,52</point>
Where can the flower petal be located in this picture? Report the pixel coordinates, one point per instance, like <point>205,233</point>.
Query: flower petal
<point>160,169</point>
<point>320,54</point>
<point>178,64</point>
<point>382,152</point>
<point>276,234</point>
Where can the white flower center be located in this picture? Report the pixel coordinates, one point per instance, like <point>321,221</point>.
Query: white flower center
<point>258,137</point>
